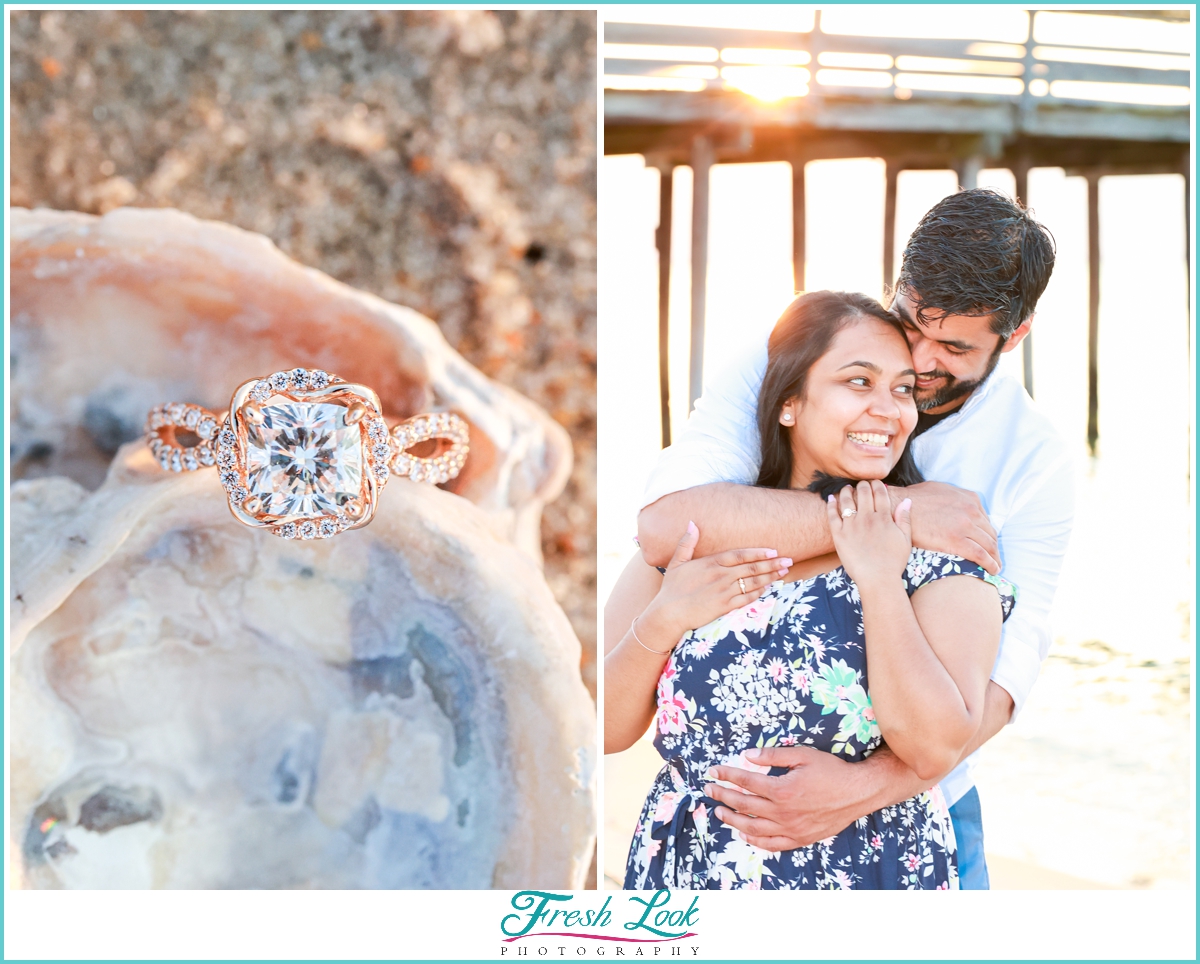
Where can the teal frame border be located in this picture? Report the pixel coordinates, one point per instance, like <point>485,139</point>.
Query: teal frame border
<point>4,198</point>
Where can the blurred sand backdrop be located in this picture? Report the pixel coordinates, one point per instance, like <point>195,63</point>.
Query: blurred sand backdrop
<point>443,160</point>
<point>1092,785</point>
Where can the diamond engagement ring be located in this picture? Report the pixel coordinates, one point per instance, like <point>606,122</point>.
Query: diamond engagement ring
<point>304,453</point>
<point>847,513</point>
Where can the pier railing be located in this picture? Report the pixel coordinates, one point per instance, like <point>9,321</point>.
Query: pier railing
<point>697,96</point>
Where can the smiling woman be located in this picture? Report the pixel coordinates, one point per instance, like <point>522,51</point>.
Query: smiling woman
<point>745,651</point>
<point>854,352</point>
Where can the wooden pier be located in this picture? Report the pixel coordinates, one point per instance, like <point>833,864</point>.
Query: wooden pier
<point>926,104</point>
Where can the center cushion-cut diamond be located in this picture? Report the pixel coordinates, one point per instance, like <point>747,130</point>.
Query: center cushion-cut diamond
<point>304,460</point>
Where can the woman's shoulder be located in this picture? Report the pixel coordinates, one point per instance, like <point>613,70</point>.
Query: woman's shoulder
<point>926,566</point>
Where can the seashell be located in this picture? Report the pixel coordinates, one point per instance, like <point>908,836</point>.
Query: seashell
<point>113,315</point>
<point>195,704</point>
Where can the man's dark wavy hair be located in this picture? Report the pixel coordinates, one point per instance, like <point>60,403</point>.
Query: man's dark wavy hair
<point>977,252</point>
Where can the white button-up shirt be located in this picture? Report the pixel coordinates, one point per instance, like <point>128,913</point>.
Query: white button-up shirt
<point>997,445</point>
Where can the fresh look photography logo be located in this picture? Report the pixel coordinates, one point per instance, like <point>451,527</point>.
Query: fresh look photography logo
<point>546,924</point>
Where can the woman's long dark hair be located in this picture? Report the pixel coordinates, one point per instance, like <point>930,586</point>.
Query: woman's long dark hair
<point>803,334</point>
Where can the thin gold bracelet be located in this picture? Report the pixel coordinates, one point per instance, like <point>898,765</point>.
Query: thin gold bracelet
<point>656,652</point>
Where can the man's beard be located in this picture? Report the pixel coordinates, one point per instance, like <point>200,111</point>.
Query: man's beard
<point>955,388</point>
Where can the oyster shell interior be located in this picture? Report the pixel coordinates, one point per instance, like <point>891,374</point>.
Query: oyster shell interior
<point>197,705</point>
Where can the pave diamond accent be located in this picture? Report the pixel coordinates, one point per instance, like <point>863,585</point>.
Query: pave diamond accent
<point>312,528</point>
<point>303,460</point>
<point>162,423</point>
<point>436,469</point>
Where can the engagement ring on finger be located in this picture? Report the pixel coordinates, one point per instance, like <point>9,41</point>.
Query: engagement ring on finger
<point>304,453</point>
<point>742,585</point>
<point>847,513</point>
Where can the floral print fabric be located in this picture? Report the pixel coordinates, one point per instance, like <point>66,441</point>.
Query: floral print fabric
<point>789,669</point>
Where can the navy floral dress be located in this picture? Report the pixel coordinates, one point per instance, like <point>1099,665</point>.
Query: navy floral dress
<point>789,669</point>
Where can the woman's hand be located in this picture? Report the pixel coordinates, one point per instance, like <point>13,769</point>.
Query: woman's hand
<point>869,540</point>
<point>697,591</point>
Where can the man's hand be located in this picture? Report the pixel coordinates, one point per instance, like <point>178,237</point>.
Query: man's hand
<point>946,518</point>
<point>816,799</point>
<point>821,795</point>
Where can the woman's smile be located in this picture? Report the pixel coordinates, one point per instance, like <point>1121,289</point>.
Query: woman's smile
<point>871,440</point>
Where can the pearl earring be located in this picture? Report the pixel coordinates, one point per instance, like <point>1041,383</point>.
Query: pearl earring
<point>787,416</point>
